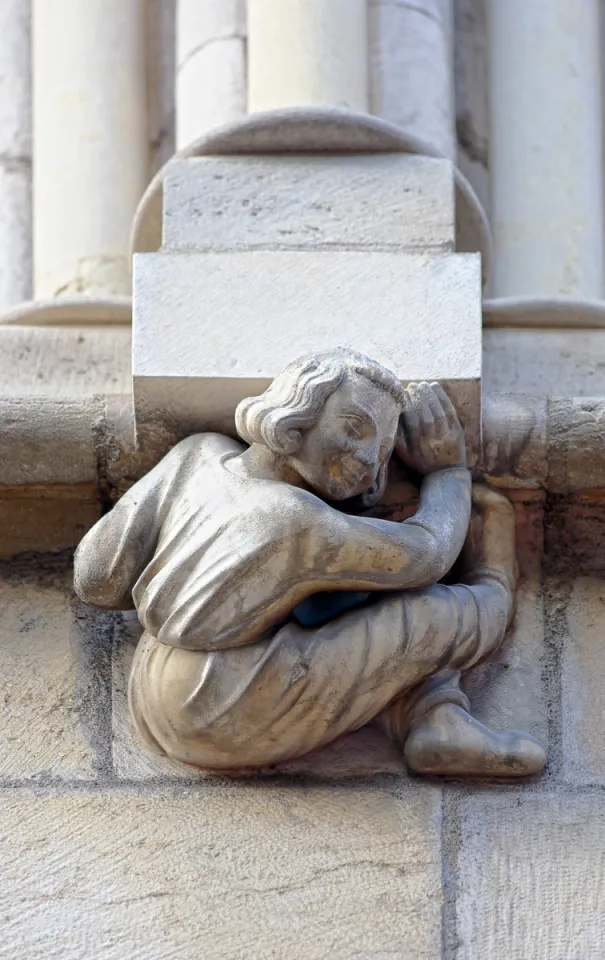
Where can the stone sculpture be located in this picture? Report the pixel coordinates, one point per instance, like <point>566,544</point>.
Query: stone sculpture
<point>276,622</point>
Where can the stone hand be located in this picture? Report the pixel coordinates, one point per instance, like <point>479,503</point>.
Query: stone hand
<point>430,437</point>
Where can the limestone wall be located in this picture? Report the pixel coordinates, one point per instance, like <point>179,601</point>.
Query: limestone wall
<point>107,852</point>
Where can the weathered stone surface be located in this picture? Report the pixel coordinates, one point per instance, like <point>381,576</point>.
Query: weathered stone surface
<point>418,315</point>
<point>65,361</point>
<point>43,519</point>
<point>311,130</point>
<point>508,692</point>
<point>49,484</point>
<point>544,362</point>
<point>365,753</point>
<point>530,877</point>
<point>381,202</point>
<point>224,872</point>
<point>45,441</point>
<point>573,535</point>
<point>515,440</point>
<point>583,694</point>
<point>50,687</point>
<point>576,454</point>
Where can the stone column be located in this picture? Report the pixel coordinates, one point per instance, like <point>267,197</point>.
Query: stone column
<point>546,157</point>
<point>411,82</point>
<point>307,53</point>
<point>411,69</point>
<point>90,135</point>
<point>15,152</point>
<point>211,65</point>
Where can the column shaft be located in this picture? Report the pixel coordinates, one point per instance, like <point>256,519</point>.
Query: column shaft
<point>307,53</point>
<point>90,142</point>
<point>546,158</point>
<point>15,152</point>
<point>411,68</point>
<point>211,66</point>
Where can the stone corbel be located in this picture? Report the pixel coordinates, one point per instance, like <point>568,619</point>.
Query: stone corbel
<point>278,615</point>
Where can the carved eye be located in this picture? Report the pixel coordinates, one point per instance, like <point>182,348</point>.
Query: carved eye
<point>354,426</point>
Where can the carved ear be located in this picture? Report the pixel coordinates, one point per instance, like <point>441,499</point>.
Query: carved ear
<point>375,494</point>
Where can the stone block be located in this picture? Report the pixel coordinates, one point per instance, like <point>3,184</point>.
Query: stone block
<point>46,441</point>
<point>365,753</point>
<point>49,487</point>
<point>508,692</point>
<point>49,686</point>
<point>380,202</point>
<point>576,455</point>
<point>530,877</point>
<point>228,873</point>
<point>210,329</point>
<point>542,362</point>
<point>65,361</point>
<point>582,692</point>
<point>575,532</point>
<point>43,519</point>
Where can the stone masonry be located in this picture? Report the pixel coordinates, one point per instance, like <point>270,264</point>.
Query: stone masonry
<point>108,852</point>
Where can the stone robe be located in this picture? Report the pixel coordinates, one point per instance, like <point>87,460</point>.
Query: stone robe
<point>215,563</point>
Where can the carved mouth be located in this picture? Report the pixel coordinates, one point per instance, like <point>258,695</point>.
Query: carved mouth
<point>353,479</point>
<point>349,479</point>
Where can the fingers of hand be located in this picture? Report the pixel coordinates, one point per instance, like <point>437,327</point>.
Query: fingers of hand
<point>446,404</point>
<point>419,395</point>
<point>410,421</point>
<point>436,407</point>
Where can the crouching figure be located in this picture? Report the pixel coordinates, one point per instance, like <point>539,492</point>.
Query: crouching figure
<point>275,622</point>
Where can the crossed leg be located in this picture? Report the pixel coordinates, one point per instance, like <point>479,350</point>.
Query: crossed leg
<point>434,722</point>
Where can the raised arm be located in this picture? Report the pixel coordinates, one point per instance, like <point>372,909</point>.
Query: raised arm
<point>421,550</point>
<point>383,555</point>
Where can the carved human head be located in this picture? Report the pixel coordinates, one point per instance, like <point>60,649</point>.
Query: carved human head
<point>334,417</point>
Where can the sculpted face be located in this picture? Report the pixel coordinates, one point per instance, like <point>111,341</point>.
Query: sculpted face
<point>341,455</point>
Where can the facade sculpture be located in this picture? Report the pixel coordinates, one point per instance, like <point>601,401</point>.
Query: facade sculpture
<point>276,622</point>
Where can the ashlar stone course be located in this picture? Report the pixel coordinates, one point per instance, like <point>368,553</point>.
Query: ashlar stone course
<point>50,696</point>
<point>530,877</point>
<point>229,872</point>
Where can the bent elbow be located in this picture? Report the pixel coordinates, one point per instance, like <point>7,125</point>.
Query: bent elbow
<point>95,586</point>
<point>433,561</point>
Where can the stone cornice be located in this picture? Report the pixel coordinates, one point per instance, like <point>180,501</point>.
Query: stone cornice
<point>554,444</point>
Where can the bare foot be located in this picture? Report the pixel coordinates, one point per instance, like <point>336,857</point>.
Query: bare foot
<point>449,742</point>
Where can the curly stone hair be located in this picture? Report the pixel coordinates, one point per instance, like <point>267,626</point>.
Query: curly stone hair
<point>293,402</point>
